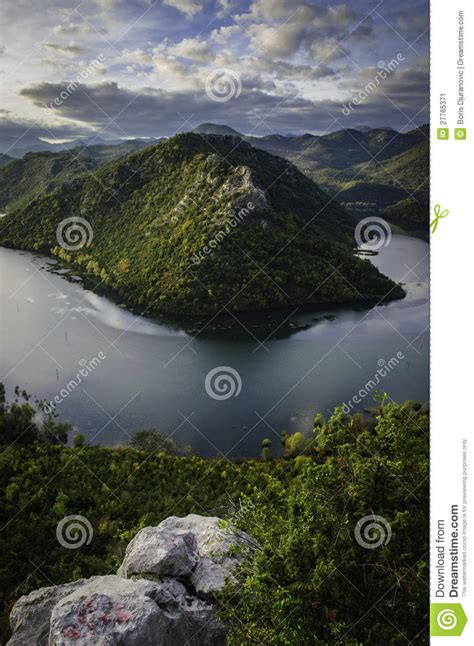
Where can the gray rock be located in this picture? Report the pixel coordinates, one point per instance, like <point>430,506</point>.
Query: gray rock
<point>30,616</point>
<point>112,610</point>
<point>213,552</point>
<point>162,596</point>
<point>109,610</point>
<point>157,551</point>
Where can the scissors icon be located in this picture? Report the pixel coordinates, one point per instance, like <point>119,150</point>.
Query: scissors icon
<point>438,215</point>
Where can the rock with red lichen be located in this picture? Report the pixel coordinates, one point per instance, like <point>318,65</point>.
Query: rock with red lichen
<point>163,595</point>
<point>29,618</point>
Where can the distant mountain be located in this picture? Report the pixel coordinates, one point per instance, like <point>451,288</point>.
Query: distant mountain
<point>340,149</point>
<point>21,180</point>
<point>105,152</point>
<point>17,147</point>
<point>216,129</point>
<point>393,185</point>
<point>376,172</point>
<point>195,224</point>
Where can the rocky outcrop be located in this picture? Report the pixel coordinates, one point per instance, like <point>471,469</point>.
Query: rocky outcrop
<point>195,549</point>
<point>30,616</point>
<point>162,594</point>
<point>112,610</point>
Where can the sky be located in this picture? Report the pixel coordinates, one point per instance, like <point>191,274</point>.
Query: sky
<point>138,68</point>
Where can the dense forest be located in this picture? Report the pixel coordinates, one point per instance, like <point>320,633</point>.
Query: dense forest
<point>196,223</point>
<point>312,581</point>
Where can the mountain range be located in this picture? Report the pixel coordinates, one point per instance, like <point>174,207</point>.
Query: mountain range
<point>371,172</point>
<point>198,224</point>
<point>16,147</point>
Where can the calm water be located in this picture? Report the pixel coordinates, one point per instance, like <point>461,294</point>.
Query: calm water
<point>153,373</point>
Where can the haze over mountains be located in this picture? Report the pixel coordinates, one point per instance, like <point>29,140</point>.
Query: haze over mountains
<point>17,147</point>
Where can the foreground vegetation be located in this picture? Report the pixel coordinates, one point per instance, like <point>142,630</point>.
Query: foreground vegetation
<point>310,581</point>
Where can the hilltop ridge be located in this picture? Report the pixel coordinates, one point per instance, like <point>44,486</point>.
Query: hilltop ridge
<point>195,225</point>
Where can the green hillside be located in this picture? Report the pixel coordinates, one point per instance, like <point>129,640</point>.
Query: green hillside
<point>193,224</point>
<point>5,159</point>
<point>21,180</point>
<point>377,172</point>
<point>302,508</point>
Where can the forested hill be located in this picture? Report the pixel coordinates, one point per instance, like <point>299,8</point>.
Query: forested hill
<point>198,222</point>
<point>22,180</point>
<point>374,171</point>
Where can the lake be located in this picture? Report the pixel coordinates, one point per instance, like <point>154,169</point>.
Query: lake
<point>280,367</point>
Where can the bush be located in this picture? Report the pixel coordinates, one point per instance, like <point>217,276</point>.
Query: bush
<point>318,576</point>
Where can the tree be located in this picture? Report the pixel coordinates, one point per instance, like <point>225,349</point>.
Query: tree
<point>22,423</point>
<point>79,440</point>
<point>152,440</point>
<point>316,578</point>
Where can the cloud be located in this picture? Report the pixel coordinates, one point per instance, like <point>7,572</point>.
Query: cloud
<point>155,112</point>
<point>337,17</point>
<point>398,98</point>
<point>191,48</point>
<point>363,33</point>
<point>327,50</point>
<point>223,34</point>
<point>67,50</point>
<point>278,69</point>
<point>284,40</point>
<point>71,27</point>
<point>188,7</point>
<point>296,60</point>
<point>280,10</point>
<point>107,4</point>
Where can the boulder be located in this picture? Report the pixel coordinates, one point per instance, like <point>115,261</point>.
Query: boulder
<point>107,610</point>
<point>113,610</point>
<point>161,596</point>
<point>30,616</point>
<point>195,549</point>
<point>160,552</point>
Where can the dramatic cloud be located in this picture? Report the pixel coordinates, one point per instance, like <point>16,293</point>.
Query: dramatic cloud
<point>298,63</point>
<point>117,111</point>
